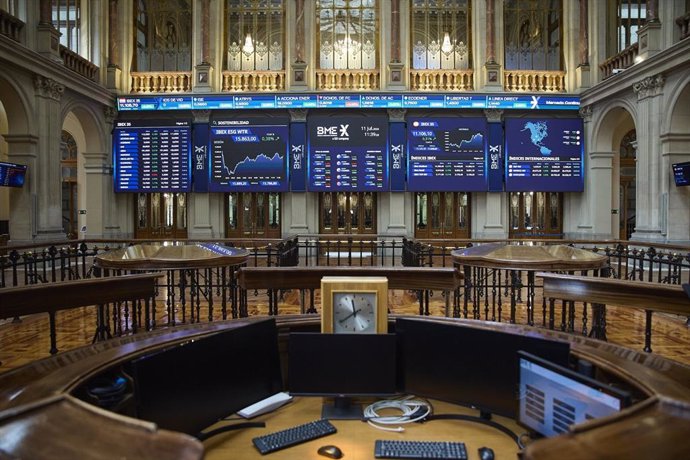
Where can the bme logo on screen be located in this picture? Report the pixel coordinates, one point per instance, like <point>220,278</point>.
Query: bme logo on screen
<point>335,133</point>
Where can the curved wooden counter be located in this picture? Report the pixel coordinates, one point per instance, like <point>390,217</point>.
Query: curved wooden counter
<point>659,424</point>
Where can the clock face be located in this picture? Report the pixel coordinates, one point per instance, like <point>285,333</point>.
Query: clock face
<point>354,312</point>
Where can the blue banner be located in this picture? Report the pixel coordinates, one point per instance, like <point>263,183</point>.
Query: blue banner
<point>200,157</point>
<point>398,142</point>
<point>298,159</point>
<point>495,156</point>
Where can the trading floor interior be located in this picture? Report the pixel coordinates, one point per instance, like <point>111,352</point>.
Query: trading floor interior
<point>434,145</point>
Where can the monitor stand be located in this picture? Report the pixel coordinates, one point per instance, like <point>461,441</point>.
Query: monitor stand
<point>342,408</point>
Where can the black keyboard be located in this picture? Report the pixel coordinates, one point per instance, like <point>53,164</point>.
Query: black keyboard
<point>292,436</point>
<point>420,449</point>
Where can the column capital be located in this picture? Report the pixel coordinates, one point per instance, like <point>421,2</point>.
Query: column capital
<point>110,114</point>
<point>493,115</point>
<point>650,86</point>
<point>201,116</point>
<point>298,115</point>
<point>586,113</point>
<point>397,115</point>
<point>49,88</point>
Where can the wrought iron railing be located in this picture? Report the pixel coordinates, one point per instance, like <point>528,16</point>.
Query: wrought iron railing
<point>491,294</point>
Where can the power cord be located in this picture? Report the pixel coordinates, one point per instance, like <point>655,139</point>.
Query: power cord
<point>411,410</point>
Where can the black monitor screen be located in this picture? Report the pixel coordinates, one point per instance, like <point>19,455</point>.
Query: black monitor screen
<point>466,365</point>
<point>12,175</point>
<point>553,397</point>
<point>190,386</point>
<point>342,364</point>
<point>681,174</point>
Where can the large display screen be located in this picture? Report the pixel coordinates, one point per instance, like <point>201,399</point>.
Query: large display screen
<point>248,155</point>
<point>544,155</point>
<point>152,156</point>
<point>681,174</point>
<point>446,154</point>
<point>348,154</point>
<point>12,175</point>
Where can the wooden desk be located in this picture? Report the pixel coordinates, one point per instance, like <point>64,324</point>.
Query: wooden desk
<point>356,438</point>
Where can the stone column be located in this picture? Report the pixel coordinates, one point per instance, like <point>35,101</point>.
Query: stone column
<point>202,80</point>
<point>491,203</point>
<point>199,216</point>
<point>47,36</point>
<point>650,110</point>
<point>395,66</point>
<point>21,149</point>
<point>582,71</point>
<point>114,72</point>
<point>396,200</point>
<point>48,173</point>
<point>299,65</point>
<point>649,36</point>
<point>492,68</point>
<point>296,205</point>
<point>676,149</point>
<point>98,184</point>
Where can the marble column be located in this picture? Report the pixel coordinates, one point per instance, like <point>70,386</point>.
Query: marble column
<point>202,80</point>
<point>21,149</point>
<point>652,10</point>
<point>649,192</point>
<point>582,71</point>
<point>299,65</point>
<point>395,67</point>
<point>48,174</point>
<point>492,68</point>
<point>114,72</point>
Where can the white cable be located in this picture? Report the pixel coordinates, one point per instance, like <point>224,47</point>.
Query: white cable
<point>409,413</point>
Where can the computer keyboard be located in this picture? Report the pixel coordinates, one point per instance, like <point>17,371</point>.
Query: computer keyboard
<point>420,449</point>
<point>292,436</point>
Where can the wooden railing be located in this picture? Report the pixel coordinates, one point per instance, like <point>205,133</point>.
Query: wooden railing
<point>534,80</point>
<point>683,23</point>
<point>78,64</point>
<point>275,279</point>
<point>647,296</point>
<point>161,82</point>
<point>441,80</point>
<point>619,62</point>
<point>53,297</point>
<point>254,81</point>
<point>10,26</point>
<point>359,80</point>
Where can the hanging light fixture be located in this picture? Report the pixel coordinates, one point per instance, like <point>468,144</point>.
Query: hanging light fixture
<point>446,46</point>
<point>248,47</point>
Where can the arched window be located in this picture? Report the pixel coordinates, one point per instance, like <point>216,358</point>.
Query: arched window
<point>163,35</point>
<point>441,34</point>
<point>347,34</point>
<point>255,31</point>
<point>533,34</point>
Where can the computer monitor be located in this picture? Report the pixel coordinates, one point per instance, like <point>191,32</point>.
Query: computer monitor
<point>553,397</point>
<point>342,366</point>
<point>12,175</point>
<point>681,174</point>
<point>467,365</point>
<point>192,385</point>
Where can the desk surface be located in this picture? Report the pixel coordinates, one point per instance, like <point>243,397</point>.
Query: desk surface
<point>356,438</point>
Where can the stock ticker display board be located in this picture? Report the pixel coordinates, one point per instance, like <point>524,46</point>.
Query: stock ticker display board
<point>348,154</point>
<point>248,155</point>
<point>446,154</point>
<point>544,155</point>
<point>150,156</point>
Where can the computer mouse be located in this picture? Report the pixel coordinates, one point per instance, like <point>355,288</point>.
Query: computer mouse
<point>330,451</point>
<point>486,453</point>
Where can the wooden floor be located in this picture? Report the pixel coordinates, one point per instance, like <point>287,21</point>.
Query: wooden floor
<point>28,340</point>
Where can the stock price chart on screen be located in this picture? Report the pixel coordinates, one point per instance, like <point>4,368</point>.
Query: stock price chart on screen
<point>349,155</point>
<point>447,154</point>
<point>152,156</point>
<point>544,154</point>
<point>248,156</point>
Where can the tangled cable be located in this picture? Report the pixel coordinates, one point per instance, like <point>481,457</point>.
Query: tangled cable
<point>411,410</point>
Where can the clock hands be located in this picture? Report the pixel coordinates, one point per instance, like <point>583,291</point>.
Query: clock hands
<point>354,310</point>
<point>354,313</point>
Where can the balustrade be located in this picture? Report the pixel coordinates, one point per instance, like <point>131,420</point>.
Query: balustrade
<point>441,80</point>
<point>253,81</point>
<point>534,81</point>
<point>359,80</point>
<point>161,82</point>
<point>620,61</point>
<point>78,64</point>
<point>10,26</point>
